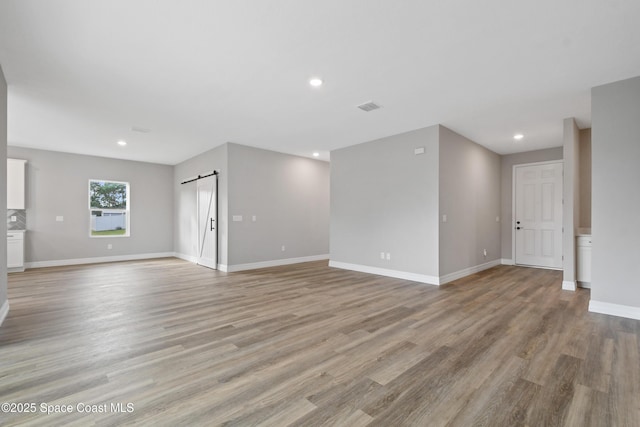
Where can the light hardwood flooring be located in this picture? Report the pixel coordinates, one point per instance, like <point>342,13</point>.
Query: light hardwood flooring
<point>307,345</point>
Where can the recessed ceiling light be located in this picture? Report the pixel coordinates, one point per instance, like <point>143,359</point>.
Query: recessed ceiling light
<point>122,143</point>
<point>518,136</point>
<point>315,82</point>
<point>316,154</point>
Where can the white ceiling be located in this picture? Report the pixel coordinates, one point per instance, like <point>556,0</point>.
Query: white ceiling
<point>199,73</point>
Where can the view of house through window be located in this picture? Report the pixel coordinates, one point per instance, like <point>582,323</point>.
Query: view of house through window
<point>109,207</point>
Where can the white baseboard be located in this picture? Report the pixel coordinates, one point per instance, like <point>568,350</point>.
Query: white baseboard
<point>94,260</point>
<point>586,285</point>
<point>614,309</point>
<point>273,263</point>
<point>414,277</point>
<point>568,285</point>
<point>507,261</point>
<point>468,271</point>
<point>4,310</point>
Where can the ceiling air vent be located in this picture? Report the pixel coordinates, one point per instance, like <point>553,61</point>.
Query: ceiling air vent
<point>368,106</point>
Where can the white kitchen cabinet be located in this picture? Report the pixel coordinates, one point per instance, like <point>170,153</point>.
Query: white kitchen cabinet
<point>583,244</point>
<point>15,251</point>
<point>15,183</point>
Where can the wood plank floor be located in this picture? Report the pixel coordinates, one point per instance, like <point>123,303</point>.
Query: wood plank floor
<point>307,345</point>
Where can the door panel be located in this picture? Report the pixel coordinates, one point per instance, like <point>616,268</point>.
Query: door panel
<point>207,222</point>
<point>538,215</point>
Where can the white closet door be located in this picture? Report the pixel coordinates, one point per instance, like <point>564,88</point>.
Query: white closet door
<point>207,222</point>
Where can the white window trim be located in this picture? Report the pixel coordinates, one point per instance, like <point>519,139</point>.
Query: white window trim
<point>127,210</point>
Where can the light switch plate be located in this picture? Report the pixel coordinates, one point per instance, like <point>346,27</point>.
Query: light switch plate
<point>237,218</point>
<point>59,218</point>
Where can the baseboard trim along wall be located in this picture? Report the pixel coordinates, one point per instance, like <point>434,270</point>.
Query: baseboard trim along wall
<point>96,260</point>
<point>4,310</point>
<point>468,271</point>
<point>614,309</point>
<point>507,261</point>
<point>272,263</point>
<point>568,285</point>
<point>414,277</point>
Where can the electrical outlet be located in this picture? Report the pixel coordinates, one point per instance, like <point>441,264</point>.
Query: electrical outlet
<point>444,218</point>
<point>109,246</point>
<point>254,218</point>
<point>388,256</point>
<point>282,248</point>
<point>484,251</point>
<point>59,218</point>
<point>381,255</point>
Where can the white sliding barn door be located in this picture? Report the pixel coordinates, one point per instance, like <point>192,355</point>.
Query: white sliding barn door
<point>538,215</point>
<point>207,221</point>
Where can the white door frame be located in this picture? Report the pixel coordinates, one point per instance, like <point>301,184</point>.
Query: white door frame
<point>513,204</point>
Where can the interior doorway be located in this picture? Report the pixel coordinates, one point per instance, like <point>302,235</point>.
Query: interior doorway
<point>537,223</point>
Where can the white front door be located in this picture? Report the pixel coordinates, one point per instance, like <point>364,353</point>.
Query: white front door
<point>538,215</point>
<point>207,222</point>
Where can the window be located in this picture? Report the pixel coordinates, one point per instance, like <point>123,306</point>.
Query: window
<point>109,208</point>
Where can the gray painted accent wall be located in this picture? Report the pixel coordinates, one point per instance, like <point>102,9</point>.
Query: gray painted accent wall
<point>506,187</point>
<point>57,185</point>
<point>3,186</point>
<point>571,197</point>
<point>585,178</point>
<point>615,132</point>
<point>470,197</point>
<point>185,227</point>
<point>384,198</point>
<point>289,196</point>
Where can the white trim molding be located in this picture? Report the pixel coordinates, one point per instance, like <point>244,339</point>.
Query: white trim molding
<point>273,263</point>
<point>568,285</point>
<point>614,309</point>
<point>4,310</point>
<point>468,271</point>
<point>415,277</point>
<point>506,261</point>
<point>95,260</point>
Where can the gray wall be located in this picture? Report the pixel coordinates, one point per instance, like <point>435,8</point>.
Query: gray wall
<point>585,178</point>
<point>3,185</point>
<point>288,195</point>
<point>506,188</point>
<point>470,197</point>
<point>571,196</point>
<point>615,133</point>
<point>384,198</point>
<point>57,184</point>
<point>185,226</point>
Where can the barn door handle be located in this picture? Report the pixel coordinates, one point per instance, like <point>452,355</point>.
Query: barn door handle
<point>212,223</point>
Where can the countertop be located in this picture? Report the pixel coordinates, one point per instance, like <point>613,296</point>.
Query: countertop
<point>583,232</point>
